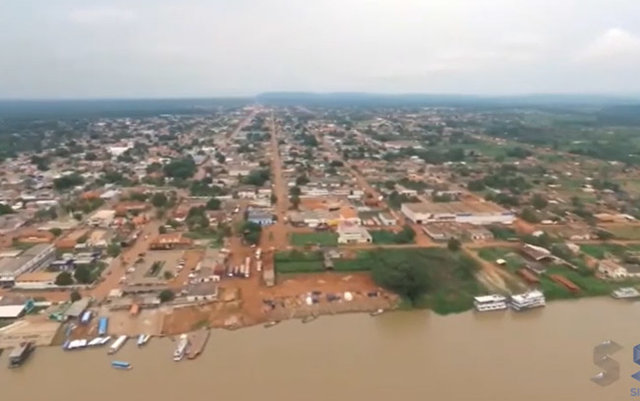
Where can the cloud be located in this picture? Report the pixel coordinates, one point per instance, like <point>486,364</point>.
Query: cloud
<point>99,15</point>
<point>615,46</point>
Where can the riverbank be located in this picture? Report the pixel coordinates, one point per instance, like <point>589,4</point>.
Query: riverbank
<point>543,354</point>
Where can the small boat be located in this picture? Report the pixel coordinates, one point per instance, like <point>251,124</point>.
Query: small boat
<point>117,344</point>
<point>121,365</point>
<point>309,319</point>
<point>181,348</point>
<point>271,323</point>
<point>143,339</point>
<point>377,312</point>
<point>20,354</point>
<point>625,293</point>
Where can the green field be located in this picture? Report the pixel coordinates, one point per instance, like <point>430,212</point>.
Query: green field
<point>625,232</point>
<point>319,238</point>
<point>598,251</point>
<point>298,262</point>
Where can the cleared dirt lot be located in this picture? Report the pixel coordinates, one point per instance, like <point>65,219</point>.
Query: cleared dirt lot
<point>38,329</point>
<point>168,259</point>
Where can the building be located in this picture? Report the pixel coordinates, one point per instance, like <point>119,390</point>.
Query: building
<point>387,219</point>
<point>36,281</point>
<point>612,269</point>
<point>353,234</point>
<point>170,241</point>
<point>262,217</point>
<point>102,218</point>
<point>30,260</point>
<point>205,290</point>
<point>470,212</point>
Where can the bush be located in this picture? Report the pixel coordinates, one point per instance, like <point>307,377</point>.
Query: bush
<point>64,278</point>
<point>166,296</point>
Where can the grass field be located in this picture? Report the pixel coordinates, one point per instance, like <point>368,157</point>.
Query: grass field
<point>298,262</point>
<point>625,231</point>
<point>598,251</point>
<point>320,238</point>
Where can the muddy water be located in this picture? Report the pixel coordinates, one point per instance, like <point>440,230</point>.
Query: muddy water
<point>544,354</point>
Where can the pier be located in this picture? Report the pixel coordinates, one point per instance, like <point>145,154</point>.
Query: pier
<point>197,341</point>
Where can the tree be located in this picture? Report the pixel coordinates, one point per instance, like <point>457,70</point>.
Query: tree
<point>55,231</point>
<point>162,230</point>
<point>82,275</point>
<point>75,296</point>
<point>453,244</point>
<point>159,199</point>
<point>530,215</point>
<point>166,295</point>
<point>302,180</point>
<point>68,181</point>
<point>539,202</point>
<point>64,278</point>
<point>5,209</point>
<point>213,204</point>
<point>295,201</point>
<point>180,168</point>
<point>168,275</point>
<point>409,280</point>
<point>251,232</point>
<point>257,177</point>
<point>90,156</point>
<point>475,185</point>
<point>274,199</point>
<point>114,249</point>
<point>604,235</point>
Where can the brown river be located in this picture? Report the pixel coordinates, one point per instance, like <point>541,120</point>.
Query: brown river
<point>544,354</point>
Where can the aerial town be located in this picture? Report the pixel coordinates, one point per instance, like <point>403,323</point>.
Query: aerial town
<point>176,223</point>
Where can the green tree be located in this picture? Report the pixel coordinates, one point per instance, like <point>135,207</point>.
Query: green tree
<point>409,280</point>
<point>453,244</point>
<point>213,204</point>
<point>55,231</point>
<point>159,199</point>
<point>539,202</point>
<point>530,215</point>
<point>68,181</point>
<point>64,278</point>
<point>251,232</point>
<point>166,295</point>
<point>114,249</point>
<point>295,202</point>
<point>167,275</point>
<point>5,209</point>
<point>75,296</point>
<point>180,168</point>
<point>82,275</point>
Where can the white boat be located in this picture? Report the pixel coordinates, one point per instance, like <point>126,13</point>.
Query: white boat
<point>77,344</point>
<point>105,340</point>
<point>527,300</point>
<point>181,348</point>
<point>143,339</point>
<point>491,302</point>
<point>95,341</point>
<point>117,344</point>
<point>625,292</point>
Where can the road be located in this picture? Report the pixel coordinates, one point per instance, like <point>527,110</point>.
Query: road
<point>276,234</point>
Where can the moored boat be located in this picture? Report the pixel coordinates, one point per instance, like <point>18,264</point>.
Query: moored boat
<point>181,348</point>
<point>143,339</point>
<point>20,354</point>
<point>377,312</point>
<point>491,302</point>
<point>527,300</point>
<point>121,365</point>
<point>117,344</point>
<point>625,293</point>
<point>271,323</point>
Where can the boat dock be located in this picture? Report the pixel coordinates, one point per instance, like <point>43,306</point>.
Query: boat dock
<point>197,341</point>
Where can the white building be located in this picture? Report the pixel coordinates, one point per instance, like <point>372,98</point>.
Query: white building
<point>353,234</point>
<point>470,212</point>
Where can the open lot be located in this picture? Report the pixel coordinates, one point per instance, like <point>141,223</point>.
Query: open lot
<point>154,264</point>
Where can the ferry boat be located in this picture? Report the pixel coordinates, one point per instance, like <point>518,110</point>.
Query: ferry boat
<point>181,348</point>
<point>527,300</point>
<point>121,365</point>
<point>117,344</point>
<point>143,339</point>
<point>20,354</point>
<point>625,292</point>
<point>491,302</point>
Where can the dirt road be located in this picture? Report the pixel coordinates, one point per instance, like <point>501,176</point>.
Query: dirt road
<point>276,235</point>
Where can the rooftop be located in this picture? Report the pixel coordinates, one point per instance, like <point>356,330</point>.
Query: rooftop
<point>457,207</point>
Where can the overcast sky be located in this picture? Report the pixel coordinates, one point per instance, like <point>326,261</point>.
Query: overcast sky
<point>173,48</point>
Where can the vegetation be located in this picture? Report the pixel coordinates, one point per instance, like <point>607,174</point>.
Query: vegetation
<point>180,168</point>
<point>159,200</point>
<point>432,277</point>
<point>405,236</point>
<point>453,244</point>
<point>257,177</point>
<point>320,238</point>
<point>166,296</point>
<point>298,262</point>
<point>68,181</point>
<point>251,232</point>
<point>5,209</point>
<point>64,278</point>
<point>75,296</point>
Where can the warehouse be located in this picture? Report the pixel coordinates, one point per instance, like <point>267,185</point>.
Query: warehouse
<point>470,212</point>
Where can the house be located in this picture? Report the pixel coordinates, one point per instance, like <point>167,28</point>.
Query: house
<point>479,234</point>
<point>611,269</point>
<point>205,290</point>
<point>247,193</point>
<point>353,234</point>
<point>387,219</point>
<point>536,253</point>
<point>262,217</point>
<point>102,218</point>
